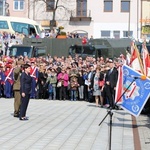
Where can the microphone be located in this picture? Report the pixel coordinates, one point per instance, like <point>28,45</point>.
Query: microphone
<point>142,77</point>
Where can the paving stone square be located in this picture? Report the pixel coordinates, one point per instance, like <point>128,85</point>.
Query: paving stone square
<point>66,125</point>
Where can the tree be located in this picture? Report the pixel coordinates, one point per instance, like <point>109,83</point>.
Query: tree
<point>54,5</point>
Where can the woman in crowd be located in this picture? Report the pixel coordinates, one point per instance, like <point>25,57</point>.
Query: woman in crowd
<point>63,79</point>
<point>81,85</point>
<point>42,82</point>
<point>95,85</point>
<point>25,91</point>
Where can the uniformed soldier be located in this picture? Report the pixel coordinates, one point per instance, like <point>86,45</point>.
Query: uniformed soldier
<point>16,87</point>
<point>8,80</point>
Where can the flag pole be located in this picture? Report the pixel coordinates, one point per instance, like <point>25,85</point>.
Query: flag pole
<point>139,58</point>
<point>146,59</point>
<point>110,113</point>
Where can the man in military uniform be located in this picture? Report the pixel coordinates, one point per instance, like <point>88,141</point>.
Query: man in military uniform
<point>8,80</point>
<point>16,87</point>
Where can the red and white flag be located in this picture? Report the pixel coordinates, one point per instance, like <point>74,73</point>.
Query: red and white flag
<point>146,60</point>
<point>119,86</point>
<point>135,61</point>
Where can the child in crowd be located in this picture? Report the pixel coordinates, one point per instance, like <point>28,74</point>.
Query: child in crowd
<point>74,87</point>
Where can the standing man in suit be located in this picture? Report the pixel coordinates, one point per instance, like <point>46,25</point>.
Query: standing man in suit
<point>16,87</point>
<point>25,91</point>
<point>110,83</point>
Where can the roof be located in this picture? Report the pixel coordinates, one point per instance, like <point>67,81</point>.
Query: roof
<point>20,19</point>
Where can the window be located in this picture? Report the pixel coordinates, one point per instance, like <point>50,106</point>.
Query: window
<point>18,27</point>
<point>108,5</point>
<point>19,4</point>
<point>105,33</point>
<point>50,5</point>
<point>125,5</point>
<point>3,25</point>
<point>125,33</point>
<point>23,28</point>
<point>82,8</point>
<point>116,34</point>
<point>18,51</point>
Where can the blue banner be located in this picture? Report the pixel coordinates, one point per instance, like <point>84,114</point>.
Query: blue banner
<point>137,91</point>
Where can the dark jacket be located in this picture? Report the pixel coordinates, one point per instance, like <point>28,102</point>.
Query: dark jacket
<point>25,81</point>
<point>80,80</point>
<point>112,77</point>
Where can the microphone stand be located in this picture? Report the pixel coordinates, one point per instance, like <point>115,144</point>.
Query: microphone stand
<point>110,113</point>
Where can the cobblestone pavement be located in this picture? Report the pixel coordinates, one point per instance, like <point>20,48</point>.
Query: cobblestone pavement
<point>143,124</point>
<point>66,125</point>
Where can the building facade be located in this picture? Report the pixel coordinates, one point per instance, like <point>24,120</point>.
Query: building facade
<point>18,8</point>
<point>145,19</point>
<point>97,18</point>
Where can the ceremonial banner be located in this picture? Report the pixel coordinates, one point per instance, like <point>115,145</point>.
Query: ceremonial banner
<point>135,60</point>
<point>146,60</point>
<point>135,96</point>
<point>119,87</point>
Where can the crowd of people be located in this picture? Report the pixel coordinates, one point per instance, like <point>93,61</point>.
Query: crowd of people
<point>61,78</point>
<point>58,78</point>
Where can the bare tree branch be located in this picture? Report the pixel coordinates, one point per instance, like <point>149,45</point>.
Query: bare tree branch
<point>58,8</point>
